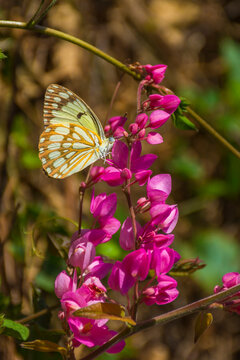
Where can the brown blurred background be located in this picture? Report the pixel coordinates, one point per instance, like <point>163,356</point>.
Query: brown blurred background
<point>199,41</point>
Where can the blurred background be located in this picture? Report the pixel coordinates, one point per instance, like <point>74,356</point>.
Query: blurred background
<point>199,41</point>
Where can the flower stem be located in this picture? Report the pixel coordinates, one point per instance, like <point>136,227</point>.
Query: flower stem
<point>212,131</point>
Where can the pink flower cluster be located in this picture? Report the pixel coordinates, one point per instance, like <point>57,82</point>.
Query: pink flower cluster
<point>142,276</point>
<point>232,303</point>
<point>161,105</point>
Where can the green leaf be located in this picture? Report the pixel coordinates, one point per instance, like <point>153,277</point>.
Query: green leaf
<point>14,329</point>
<point>104,311</point>
<point>2,55</point>
<point>184,104</point>
<point>182,122</point>
<point>203,321</point>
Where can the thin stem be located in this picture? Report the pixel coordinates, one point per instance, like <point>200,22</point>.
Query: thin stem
<point>127,192</point>
<point>82,189</point>
<point>37,314</point>
<point>116,63</point>
<point>45,12</point>
<point>81,196</point>
<point>212,131</point>
<point>31,22</point>
<point>61,35</point>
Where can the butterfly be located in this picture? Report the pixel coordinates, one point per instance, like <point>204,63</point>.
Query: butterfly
<point>73,137</point>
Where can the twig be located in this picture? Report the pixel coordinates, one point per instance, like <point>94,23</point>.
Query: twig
<point>37,314</point>
<point>31,22</point>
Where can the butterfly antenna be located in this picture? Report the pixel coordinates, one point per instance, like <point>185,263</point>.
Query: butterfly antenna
<point>114,95</point>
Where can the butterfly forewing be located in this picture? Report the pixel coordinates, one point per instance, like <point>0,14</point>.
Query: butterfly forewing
<point>63,106</point>
<point>66,148</point>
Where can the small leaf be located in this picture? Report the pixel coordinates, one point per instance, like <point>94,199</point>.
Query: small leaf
<point>182,122</point>
<point>45,346</point>
<point>2,55</point>
<point>184,103</point>
<point>186,267</point>
<point>14,329</point>
<point>104,311</point>
<point>203,321</point>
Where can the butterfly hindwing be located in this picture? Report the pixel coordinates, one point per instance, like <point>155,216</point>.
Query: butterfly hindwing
<point>66,148</point>
<point>63,106</point>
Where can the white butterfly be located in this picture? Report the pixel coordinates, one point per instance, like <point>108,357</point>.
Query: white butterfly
<point>73,137</point>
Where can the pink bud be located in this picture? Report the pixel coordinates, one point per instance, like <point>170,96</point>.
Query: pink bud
<point>119,132</point>
<point>63,284</point>
<point>143,176</point>
<point>107,128</point>
<point>96,172</point>
<point>133,128</point>
<point>141,120</point>
<point>158,118</point>
<point>126,174</point>
<point>141,134</point>
<point>154,138</point>
<point>81,254</point>
<point>117,121</point>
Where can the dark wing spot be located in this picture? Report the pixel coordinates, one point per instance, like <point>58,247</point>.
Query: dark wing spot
<point>79,115</point>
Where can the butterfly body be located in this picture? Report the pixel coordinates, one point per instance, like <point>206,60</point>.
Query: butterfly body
<point>73,137</point>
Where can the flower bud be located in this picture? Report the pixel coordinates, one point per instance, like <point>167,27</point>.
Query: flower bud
<point>133,128</point>
<point>141,120</point>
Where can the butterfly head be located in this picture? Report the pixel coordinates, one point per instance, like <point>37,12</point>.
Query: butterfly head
<point>111,140</point>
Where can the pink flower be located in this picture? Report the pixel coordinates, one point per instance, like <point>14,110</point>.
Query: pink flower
<point>97,268</point>
<point>164,216</point>
<point>154,138</point>
<point>150,239</point>
<point>163,260</point>
<point>91,291</point>
<point>103,208</point>
<point>143,176</point>
<point>103,205</point>
<point>141,120</point>
<point>159,187</point>
<point>116,174</point>
<point>133,128</point>
<point>158,118</point>
<point>163,293</point>
<point>116,121</point>
<point>126,240</point>
<point>81,253</point>
<point>119,279</point>
<point>137,264</point>
<point>231,303</point>
<point>89,333</point>
<point>168,103</point>
<point>65,283</point>
<point>156,72</point>
<point>95,174</point>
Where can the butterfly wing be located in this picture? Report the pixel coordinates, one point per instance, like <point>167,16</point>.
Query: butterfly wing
<point>63,106</point>
<point>67,148</point>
